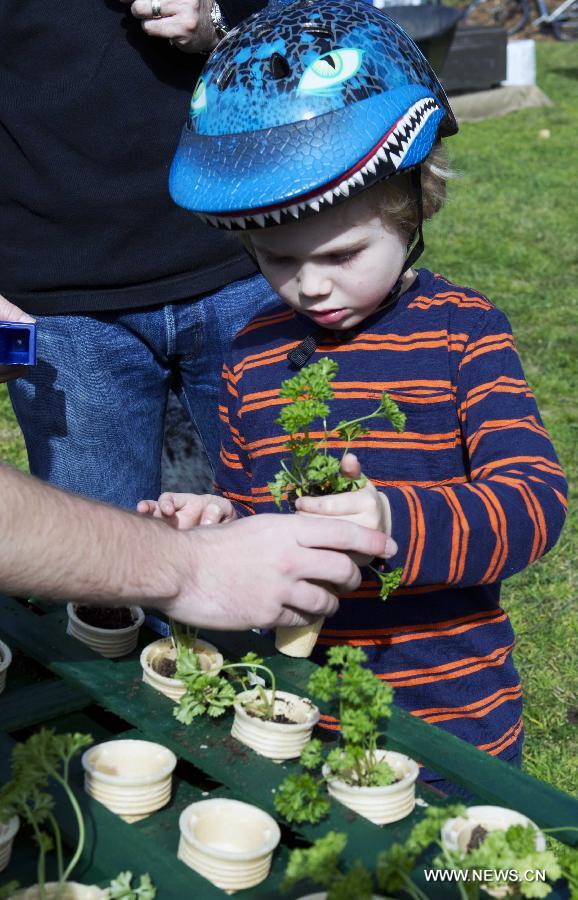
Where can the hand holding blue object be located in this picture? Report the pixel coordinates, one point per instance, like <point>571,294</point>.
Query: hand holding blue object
<point>17,344</point>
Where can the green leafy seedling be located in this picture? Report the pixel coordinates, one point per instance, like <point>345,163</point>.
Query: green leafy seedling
<point>364,701</point>
<point>311,470</point>
<point>121,888</point>
<point>44,756</point>
<point>213,693</point>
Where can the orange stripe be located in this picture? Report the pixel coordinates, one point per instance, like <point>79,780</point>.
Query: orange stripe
<point>495,425</point>
<point>509,737</point>
<point>489,344</point>
<point>501,697</point>
<point>498,526</point>
<point>534,511</point>
<point>458,665</point>
<point>477,704</point>
<point>538,462</point>
<point>263,321</point>
<point>374,640</point>
<point>407,629</point>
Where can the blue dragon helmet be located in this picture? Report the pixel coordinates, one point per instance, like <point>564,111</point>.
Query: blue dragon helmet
<point>301,106</point>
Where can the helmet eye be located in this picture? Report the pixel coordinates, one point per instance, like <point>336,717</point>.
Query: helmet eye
<point>199,98</point>
<point>329,70</point>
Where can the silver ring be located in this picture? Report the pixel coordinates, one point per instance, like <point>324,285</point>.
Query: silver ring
<point>156,9</point>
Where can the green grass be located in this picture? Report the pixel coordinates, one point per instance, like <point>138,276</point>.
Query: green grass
<point>509,230</point>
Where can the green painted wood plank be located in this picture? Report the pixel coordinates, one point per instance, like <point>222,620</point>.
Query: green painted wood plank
<point>210,747</point>
<point>35,703</point>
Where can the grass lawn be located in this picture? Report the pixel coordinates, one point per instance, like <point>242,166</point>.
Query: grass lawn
<point>509,231</point>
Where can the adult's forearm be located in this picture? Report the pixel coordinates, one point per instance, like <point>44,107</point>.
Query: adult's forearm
<point>61,546</point>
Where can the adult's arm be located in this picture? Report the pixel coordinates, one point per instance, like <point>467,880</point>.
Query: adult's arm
<point>11,313</point>
<point>257,572</point>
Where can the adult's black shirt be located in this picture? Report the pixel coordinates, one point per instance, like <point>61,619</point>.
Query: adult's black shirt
<point>91,110</point>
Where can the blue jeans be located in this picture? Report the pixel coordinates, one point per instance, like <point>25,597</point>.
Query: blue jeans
<point>92,410</point>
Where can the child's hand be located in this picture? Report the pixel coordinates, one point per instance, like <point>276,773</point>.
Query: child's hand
<point>186,511</point>
<point>365,507</point>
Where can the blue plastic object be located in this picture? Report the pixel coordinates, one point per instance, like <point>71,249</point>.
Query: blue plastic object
<point>17,344</point>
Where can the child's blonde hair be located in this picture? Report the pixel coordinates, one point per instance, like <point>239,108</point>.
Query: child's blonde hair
<point>394,199</point>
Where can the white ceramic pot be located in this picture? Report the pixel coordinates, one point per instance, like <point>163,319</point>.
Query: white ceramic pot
<point>5,660</point>
<point>209,658</point>
<point>8,832</point>
<point>132,778</point>
<point>380,804</point>
<point>456,833</point>
<point>109,642</point>
<point>228,842</point>
<point>71,891</point>
<point>276,740</point>
<point>300,640</point>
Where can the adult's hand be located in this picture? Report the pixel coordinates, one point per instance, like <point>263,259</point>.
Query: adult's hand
<point>11,313</point>
<point>268,570</point>
<point>186,23</point>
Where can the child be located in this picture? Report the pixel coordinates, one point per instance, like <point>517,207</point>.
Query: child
<point>325,118</point>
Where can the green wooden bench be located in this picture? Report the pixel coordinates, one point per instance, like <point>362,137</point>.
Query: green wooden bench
<point>59,682</point>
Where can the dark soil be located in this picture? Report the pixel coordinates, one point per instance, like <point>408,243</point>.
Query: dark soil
<point>477,838</point>
<point>166,667</point>
<point>111,617</point>
<point>280,718</point>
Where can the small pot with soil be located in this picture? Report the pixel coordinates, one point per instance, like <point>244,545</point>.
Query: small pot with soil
<point>132,778</point>
<point>5,660</point>
<point>383,804</point>
<point>8,831</point>
<point>110,631</point>
<point>467,832</point>
<point>228,842</point>
<point>159,665</point>
<point>280,737</point>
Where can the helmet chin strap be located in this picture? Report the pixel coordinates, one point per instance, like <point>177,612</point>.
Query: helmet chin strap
<point>300,355</point>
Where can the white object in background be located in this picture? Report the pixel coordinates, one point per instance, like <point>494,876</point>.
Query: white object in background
<point>520,63</point>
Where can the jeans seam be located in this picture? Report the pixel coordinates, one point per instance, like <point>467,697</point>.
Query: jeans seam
<point>171,330</point>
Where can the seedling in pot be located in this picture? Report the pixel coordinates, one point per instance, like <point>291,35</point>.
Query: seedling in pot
<point>512,851</point>
<point>213,693</point>
<point>363,701</point>
<point>311,470</point>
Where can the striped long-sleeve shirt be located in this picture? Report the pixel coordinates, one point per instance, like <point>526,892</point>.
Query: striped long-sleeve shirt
<point>475,488</point>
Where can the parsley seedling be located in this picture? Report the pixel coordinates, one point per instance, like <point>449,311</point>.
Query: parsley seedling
<point>364,700</point>
<point>311,469</point>
<point>213,693</point>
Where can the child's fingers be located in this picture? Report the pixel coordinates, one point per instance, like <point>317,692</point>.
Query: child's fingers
<point>146,507</point>
<point>350,466</point>
<point>218,510</point>
<point>345,504</point>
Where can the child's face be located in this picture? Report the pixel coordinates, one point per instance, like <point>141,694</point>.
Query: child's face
<point>335,267</point>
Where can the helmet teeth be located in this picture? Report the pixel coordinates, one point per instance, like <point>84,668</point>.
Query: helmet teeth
<point>344,188</point>
<point>371,166</point>
<point>314,204</point>
<point>294,210</point>
<point>358,178</point>
<point>382,154</point>
<point>227,222</point>
<point>241,222</point>
<point>328,195</point>
<point>276,214</point>
<point>259,219</point>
